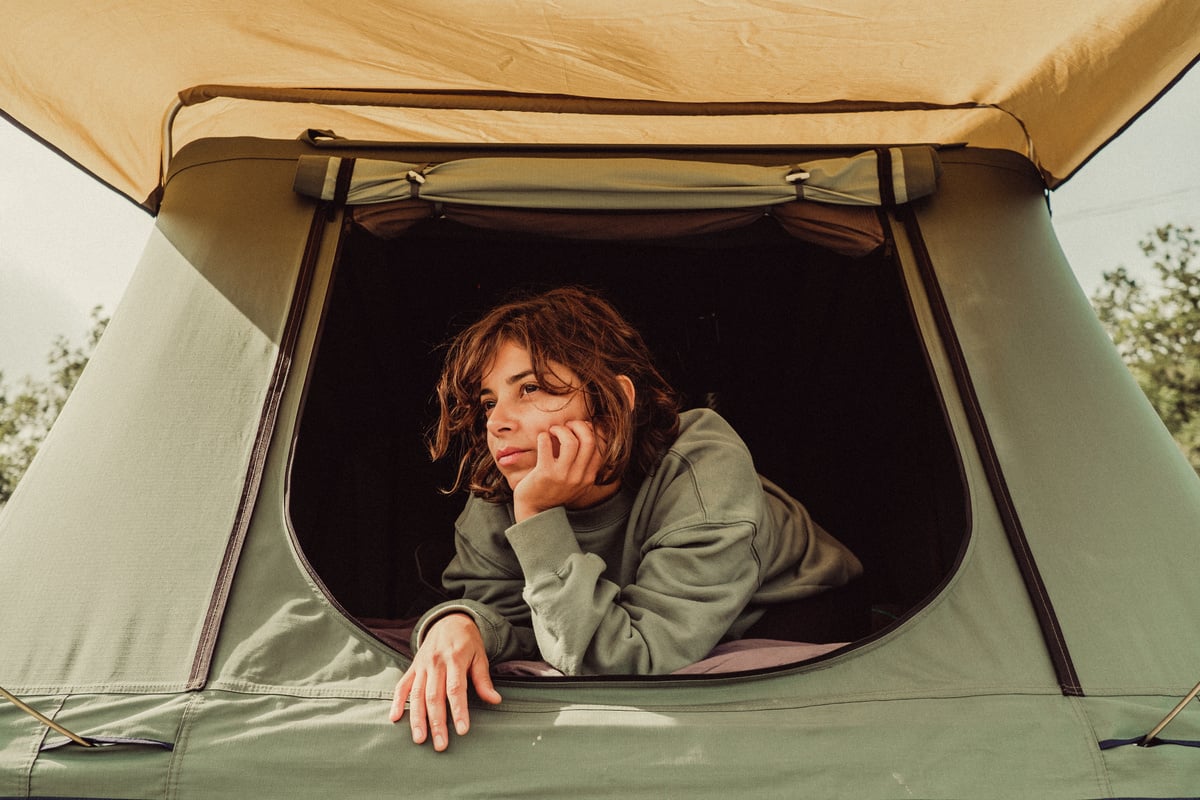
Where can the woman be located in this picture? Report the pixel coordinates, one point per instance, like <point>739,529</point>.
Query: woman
<point>605,532</point>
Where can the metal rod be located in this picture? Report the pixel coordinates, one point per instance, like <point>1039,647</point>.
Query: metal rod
<point>1167,719</point>
<point>42,718</point>
<point>167,143</point>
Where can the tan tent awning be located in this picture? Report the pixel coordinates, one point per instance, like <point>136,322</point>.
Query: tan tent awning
<point>1050,79</point>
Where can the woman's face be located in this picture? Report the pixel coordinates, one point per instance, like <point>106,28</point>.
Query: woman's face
<point>517,408</point>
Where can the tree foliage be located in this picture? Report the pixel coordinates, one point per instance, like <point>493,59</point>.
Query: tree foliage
<point>1156,327</point>
<point>29,408</point>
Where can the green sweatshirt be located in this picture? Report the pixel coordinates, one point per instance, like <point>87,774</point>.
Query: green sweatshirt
<point>651,579</point>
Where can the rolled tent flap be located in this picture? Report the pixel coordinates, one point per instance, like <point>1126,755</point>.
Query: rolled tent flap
<point>851,231</point>
<point>863,180</point>
<point>826,201</point>
<point>871,178</point>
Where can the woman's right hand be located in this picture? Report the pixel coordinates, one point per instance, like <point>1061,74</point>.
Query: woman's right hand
<point>451,653</point>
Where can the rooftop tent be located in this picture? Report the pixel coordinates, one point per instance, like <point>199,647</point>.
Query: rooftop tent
<point>236,489</point>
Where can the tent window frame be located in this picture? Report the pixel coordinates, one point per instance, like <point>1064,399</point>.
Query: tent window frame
<point>353,231</point>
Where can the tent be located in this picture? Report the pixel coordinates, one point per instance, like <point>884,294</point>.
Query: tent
<point>830,224</point>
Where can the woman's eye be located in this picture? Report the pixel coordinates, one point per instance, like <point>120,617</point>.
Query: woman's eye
<point>529,388</point>
<point>487,406</point>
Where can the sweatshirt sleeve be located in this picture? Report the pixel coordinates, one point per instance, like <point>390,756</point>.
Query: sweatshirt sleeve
<point>692,582</point>
<point>490,592</point>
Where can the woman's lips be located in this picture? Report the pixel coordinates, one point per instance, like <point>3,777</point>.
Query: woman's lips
<point>508,456</point>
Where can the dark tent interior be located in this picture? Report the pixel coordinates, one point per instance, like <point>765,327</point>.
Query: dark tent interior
<point>812,356</point>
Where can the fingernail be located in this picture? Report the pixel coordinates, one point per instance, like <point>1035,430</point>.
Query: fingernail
<point>439,742</point>
<point>460,727</point>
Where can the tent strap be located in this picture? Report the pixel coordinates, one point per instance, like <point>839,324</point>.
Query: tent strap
<point>1140,741</point>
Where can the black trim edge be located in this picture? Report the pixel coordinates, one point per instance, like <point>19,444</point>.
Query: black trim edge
<point>258,456</point>
<point>1060,656</point>
<point>887,185</point>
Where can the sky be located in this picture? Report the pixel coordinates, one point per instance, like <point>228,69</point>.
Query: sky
<point>1145,178</point>
<point>68,243</point>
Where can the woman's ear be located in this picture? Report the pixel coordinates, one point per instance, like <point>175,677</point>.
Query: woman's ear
<point>627,389</point>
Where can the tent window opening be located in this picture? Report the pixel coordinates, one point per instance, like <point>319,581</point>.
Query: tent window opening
<point>810,354</point>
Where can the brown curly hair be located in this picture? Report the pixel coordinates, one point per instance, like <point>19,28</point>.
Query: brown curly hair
<point>576,328</point>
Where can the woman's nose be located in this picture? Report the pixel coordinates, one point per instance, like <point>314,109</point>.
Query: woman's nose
<point>499,419</point>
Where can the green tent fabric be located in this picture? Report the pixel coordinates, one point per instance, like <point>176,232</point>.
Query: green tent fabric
<point>195,335</point>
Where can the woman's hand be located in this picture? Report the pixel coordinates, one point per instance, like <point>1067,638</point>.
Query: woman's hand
<point>568,461</point>
<point>451,654</point>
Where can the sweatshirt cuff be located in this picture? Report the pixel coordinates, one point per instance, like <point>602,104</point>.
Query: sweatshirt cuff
<point>543,542</point>
<point>485,619</point>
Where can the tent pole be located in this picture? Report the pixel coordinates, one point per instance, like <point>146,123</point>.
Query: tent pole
<point>167,144</point>
<point>1148,740</point>
<point>42,718</point>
